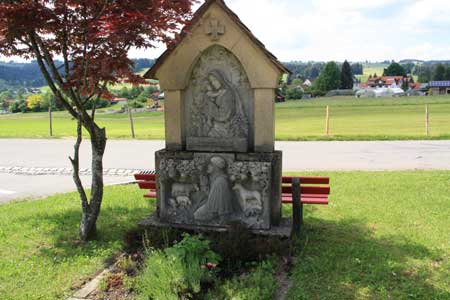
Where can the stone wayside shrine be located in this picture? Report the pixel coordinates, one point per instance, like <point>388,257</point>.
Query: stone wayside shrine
<point>219,165</point>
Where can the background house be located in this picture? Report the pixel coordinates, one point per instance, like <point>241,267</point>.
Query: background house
<point>440,87</point>
<point>388,81</point>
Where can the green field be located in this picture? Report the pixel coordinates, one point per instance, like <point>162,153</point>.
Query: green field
<point>383,236</point>
<point>351,119</point>
<point>374,69</point>
<point>370,70</point>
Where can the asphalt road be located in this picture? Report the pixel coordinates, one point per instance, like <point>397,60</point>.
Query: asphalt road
<point>33,187</point>
<point>297,156</point>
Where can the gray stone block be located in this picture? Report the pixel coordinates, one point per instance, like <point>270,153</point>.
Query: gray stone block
<point>214,189</point>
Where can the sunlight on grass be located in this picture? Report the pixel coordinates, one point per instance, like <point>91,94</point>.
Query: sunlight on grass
<point>41,257</point>
<point>383,236</point>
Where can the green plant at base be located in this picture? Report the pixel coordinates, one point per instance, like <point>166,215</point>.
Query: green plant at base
<point>177,272</point>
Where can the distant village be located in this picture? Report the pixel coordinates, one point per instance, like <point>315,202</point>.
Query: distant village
<point>307,81</point>
<point>330,80</point>
<point>389,86</point>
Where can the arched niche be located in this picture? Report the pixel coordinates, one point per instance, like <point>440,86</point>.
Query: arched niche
<point>218,104</point>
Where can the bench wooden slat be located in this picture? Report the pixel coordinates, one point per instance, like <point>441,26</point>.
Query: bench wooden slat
<point>148,185</point>
<point>309,194</point>
<point>308,180</point>
<point>145,177</point>
<point>150,195</point>
<point>319,201</point>
<point>323,190</point>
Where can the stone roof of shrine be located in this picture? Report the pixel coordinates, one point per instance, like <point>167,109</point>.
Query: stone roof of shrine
<point>151,74</point>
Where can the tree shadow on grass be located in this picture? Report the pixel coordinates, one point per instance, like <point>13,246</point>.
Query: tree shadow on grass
<point>61,231</point>
<point>346,260</point>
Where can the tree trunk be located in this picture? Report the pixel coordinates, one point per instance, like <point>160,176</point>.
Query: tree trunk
<point>88,228</point>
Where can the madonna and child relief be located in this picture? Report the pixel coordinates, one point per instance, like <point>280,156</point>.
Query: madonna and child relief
<point>219,110</point>
<point>218,100</point>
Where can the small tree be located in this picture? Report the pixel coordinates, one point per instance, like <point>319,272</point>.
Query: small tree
<point>5,95</point>
<point>394,69</point>
<point>48,100</point>
<point>346,76</point>
<point>34,102</point>
<point>405,85</point>
<point>124,93</point>
<point>294,93</point>
<point>329,78</point>
<point>439,72</point>
<point>447,72</point>
<point>297,82</point>
<point>92,38</point>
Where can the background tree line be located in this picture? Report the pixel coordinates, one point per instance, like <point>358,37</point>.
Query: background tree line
<point>332,77</point>
<point>311,70</point>
<point>14,75</point>
<point>432,72</point>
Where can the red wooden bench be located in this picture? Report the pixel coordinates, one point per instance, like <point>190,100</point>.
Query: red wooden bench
<point>295,190</point>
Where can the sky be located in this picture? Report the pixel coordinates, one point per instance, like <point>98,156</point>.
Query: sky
<point>356,30</point>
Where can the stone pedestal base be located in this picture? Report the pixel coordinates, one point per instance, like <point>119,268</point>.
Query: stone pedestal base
<point>215,189</point>
<point>282,230</point>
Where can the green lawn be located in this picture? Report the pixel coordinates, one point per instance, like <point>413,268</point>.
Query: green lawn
<point>363,119</point>
<point>40,257</point>
<point>351,119</point>
<point>383,236</point>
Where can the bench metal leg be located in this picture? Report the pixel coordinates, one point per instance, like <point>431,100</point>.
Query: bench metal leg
<point>297,208</point>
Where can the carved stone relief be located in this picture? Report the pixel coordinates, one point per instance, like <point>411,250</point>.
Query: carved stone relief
<point>214,190</point>
<point>214,28</point>
<point>218,102</point>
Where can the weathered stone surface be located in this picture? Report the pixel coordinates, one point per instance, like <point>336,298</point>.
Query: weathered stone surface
<point>214,189</point>
<point>281,230</point>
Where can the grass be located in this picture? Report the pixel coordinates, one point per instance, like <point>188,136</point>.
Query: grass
<point>368,119</point>
<point>351,119</point>
<point>40,254</point>
<point>147,125</point>
<point>383,236</point>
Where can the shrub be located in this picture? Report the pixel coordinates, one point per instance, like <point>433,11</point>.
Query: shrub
<point>294,93</point>
<point>176,272</point>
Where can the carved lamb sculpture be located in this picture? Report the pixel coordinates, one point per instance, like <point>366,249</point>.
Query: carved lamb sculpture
<point>181,193</point>
<point>250,200</point>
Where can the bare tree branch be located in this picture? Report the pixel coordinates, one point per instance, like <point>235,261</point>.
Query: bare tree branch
<point>48,78</point>
<point>76,168</point>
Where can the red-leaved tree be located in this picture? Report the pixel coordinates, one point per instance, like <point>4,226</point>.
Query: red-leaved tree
<point>92,39</point>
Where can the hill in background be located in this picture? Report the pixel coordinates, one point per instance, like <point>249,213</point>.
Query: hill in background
<point>15,75</point>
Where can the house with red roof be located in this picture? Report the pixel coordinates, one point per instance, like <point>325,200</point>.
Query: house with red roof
<point>389,81</point>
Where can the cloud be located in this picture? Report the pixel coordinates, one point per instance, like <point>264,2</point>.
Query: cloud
<point>356,30</point>
<point>348,29</point>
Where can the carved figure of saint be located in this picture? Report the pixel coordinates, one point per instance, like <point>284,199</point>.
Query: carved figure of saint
<point>224,112</point>
<point>220,202</point>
